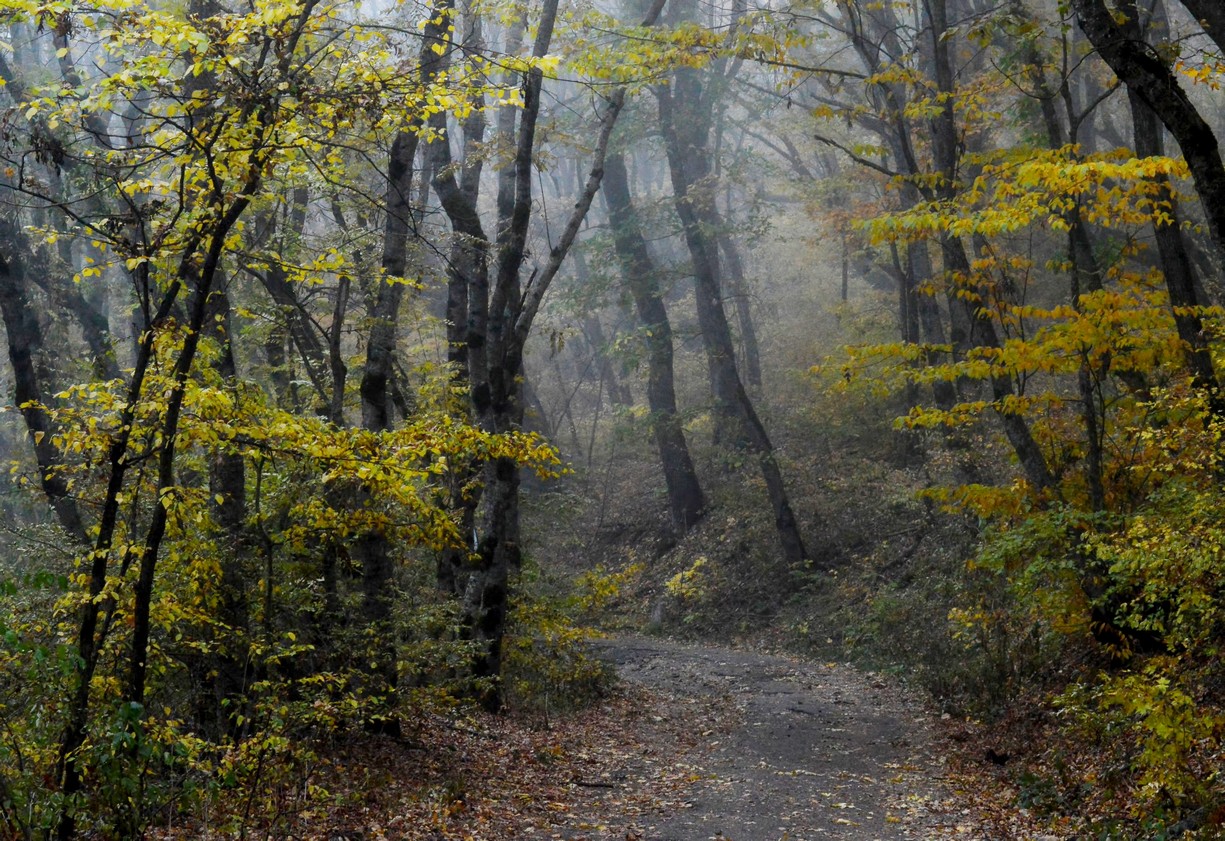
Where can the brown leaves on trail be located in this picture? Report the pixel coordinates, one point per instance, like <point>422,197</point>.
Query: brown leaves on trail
<point>599,774</point>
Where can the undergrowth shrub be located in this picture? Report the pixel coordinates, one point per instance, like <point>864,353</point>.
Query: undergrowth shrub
<point>166,763</point>
<point>35,669</point>
<point>549,663</point>
<point>953,632</point>
<point>1101,618</point>
<point>1140,589</point>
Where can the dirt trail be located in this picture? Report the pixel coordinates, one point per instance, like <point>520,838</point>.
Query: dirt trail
<point>815,751</point>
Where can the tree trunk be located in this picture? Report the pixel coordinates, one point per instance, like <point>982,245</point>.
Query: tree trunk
<point>24,342</point>
<point>500,319</point>
<point>593,332</point>
<point>1175,260</point>
<point>1085,273</point>
<point>931,320</point>
<point>685,137</point>
<point>467,308</point>
<point>890,98</point>
<point>381,343</point>
<point>970,305</point>
<point>90,634</point>
<point>1143,71</point>
<point>686,134</point>
<point>494,387</point>
<point>685,498</point>
<point>228,490</point>
<point>1211,15</point>
<point>372,547</point>
<point>275,281</point>
<point>201,282</point>
<point>744,312</point>
<point>336,361</point>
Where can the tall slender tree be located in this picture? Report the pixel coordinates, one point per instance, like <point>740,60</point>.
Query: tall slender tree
<point>685,498</point>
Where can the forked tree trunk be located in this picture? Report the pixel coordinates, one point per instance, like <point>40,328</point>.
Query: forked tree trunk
<point>494,367</point>
<point>500,317</point>
<point>467,307</point>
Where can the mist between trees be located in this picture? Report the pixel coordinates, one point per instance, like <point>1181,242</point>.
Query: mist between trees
<point>307,302</point>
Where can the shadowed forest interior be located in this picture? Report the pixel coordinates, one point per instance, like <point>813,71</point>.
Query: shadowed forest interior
<point>366,361</point>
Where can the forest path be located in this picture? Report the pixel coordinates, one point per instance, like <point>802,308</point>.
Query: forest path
<point>813,751</point>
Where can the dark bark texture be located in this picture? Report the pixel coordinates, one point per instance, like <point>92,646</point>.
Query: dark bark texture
<point>1148,75</point>
<point>685,498</point>
<point>685,134</point>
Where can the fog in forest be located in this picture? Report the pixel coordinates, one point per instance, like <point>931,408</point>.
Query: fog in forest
<point>367,362</point>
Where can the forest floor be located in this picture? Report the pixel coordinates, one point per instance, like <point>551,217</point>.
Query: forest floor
<point>695,744</point>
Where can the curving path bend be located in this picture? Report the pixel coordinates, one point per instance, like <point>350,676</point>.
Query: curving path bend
<point>817,751</point>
